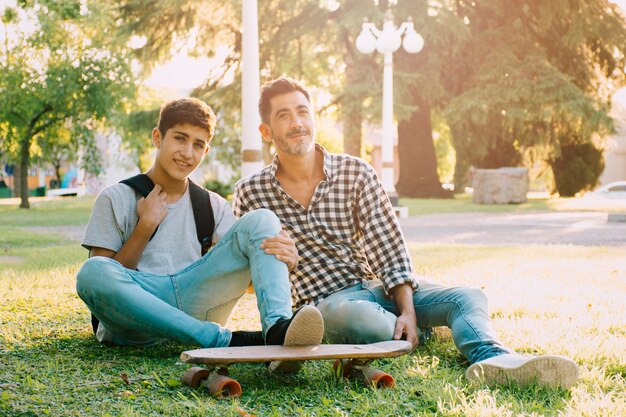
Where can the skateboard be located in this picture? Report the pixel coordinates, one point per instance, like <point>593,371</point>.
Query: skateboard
<point>351,361</point>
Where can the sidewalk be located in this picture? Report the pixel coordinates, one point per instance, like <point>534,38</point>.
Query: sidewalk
<point>571,228</point>
<point>583,228</point>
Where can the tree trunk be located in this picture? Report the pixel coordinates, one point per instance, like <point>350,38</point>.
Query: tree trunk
<point>57,173</point>
<point>351,107</point>
<point>352,118</point>
<point>418,161</point>
<point>16,181</point>
<point>24,160</point>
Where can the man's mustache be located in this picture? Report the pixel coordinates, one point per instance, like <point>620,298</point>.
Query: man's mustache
<point>298,132</point>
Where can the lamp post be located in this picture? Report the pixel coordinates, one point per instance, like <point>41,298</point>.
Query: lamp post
<point>387,41</point>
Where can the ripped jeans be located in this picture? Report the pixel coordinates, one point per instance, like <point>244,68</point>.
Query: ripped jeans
<point>363,313</point>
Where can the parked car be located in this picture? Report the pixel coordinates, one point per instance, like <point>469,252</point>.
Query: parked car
<point>615,189</point>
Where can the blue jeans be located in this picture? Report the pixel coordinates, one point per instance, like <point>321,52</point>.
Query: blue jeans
<point>190,306</point>
<point>363,313</point>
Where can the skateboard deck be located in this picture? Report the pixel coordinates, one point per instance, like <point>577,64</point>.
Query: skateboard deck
<point>352,361</point>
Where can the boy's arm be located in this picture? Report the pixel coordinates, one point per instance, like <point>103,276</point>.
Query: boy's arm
<point>151,212</point>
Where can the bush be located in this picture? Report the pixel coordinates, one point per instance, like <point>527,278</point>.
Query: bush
<point>223,189</point>
<point>578,168</point>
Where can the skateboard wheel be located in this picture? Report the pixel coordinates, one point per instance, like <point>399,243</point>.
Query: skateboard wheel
<point>194,376</point>
<point>379,379</point>
<point>222,386</point>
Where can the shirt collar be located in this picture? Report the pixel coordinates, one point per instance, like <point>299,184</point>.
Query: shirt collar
<point>327,167</point>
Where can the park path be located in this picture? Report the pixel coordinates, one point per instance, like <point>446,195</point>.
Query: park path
<point>539,228</point>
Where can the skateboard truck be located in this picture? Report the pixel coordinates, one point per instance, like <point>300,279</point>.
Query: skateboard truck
<point>216,380</point>
<point>359,369</point>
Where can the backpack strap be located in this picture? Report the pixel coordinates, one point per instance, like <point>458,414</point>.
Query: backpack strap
<point>200,204</point>
<point>202,215</point>
<point>143,185</point>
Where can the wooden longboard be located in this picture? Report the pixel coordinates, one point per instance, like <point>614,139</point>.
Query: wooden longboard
<point>352,361</point>
<point>231,355</point>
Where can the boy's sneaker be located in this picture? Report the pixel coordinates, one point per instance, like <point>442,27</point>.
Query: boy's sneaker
<point>548,370</point>
<point>246,338</point>
<point>305,327</point>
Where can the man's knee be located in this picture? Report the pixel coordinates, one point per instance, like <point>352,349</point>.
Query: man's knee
<point>473,296</point>
<point>358,322</point>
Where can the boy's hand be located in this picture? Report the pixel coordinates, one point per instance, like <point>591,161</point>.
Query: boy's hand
<point>152,209</point>
<point>283,247</point>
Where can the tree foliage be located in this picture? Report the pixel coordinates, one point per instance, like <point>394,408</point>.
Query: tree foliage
<point>577,168</point>
<point>59,82</point>
<point>511,77</point>
<point>537,75</point>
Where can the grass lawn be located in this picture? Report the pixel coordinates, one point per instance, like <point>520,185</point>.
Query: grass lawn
<point>543,299</point>
<point>462,203</point>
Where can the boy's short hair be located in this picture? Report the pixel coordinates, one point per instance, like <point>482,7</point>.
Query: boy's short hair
<point>271,89</point>
<point>187,110</point>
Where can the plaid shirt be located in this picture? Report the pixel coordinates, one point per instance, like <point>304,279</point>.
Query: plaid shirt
<point>349,232</point>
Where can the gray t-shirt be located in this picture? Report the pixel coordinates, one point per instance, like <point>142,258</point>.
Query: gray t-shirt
<point>175,244</point>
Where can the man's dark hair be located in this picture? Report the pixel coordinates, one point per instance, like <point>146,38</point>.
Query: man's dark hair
<point>186,110</point>
<point>277,87</point>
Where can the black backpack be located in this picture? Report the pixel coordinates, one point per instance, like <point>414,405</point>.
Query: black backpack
<point>202,214</point>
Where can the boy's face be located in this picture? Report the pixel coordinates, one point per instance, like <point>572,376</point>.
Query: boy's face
<point>291,124</point>
<point>181,149</point>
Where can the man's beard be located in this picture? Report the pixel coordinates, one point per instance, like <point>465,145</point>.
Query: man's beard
<point>296,148</point>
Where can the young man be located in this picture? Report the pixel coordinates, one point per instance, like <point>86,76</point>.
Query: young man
<point>354,265</point>
<point>145,286</point>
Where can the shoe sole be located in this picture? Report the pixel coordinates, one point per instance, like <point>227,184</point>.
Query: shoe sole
<point>548,371</point>
<point>306,328</point>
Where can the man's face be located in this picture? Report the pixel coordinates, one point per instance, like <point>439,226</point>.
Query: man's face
<point>291,124</point>
<point>181,150</point>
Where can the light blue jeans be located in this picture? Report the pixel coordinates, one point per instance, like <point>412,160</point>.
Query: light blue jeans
<point>363,313</point>
<point>192,305</point>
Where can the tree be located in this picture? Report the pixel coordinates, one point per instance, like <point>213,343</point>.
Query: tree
<point>59,79</point>
<point>470,47</point>
<point>292,42</point>
<point>537,76</point>
<point>425,83</point>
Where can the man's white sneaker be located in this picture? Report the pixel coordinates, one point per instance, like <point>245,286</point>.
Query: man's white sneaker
<point>306,327</point>
<point>548,370</point>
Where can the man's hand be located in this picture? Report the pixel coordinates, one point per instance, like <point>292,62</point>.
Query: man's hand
<point>283,247</point>
<point>406,325</point>
<point>152,210</point>
<point>406,329</point>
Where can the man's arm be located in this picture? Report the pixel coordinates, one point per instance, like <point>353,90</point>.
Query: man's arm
<point>151,212</point>
<point>386,251</point>
<point>406,324</point>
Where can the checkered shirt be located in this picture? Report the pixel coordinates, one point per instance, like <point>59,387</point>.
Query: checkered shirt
<point>349,232</point>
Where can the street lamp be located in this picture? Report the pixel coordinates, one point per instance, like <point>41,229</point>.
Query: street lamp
<point>387,42</point>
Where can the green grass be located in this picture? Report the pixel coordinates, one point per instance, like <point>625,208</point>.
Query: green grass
<point>45,212</point>
<point>462,203</point>
<point>543,299</point>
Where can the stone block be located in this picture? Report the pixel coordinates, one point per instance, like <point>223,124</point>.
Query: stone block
<point>500,186</point>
